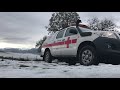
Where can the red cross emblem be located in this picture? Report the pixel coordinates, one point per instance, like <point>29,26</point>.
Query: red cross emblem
<point>68,42</point>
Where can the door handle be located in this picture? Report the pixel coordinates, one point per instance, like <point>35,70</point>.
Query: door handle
<point>63,40</point>
<point>58,40</point>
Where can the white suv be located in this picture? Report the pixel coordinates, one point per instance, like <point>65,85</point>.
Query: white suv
<point>80,44</point>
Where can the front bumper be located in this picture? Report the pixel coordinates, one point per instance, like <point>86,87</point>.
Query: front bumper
<point>108,47</point>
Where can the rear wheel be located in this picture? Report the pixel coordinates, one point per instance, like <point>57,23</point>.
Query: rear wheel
<point>47,56</point>
<point>87,56</point>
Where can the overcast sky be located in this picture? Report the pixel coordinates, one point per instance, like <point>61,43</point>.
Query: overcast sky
<point>23,29</point>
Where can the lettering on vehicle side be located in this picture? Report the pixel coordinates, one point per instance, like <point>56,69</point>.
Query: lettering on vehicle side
<point>62,43</point>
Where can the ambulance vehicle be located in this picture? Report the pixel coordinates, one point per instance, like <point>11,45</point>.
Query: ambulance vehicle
<point>80,44</point>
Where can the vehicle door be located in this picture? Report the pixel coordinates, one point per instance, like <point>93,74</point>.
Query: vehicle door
<point>57,44</point>
<point>70,38</point>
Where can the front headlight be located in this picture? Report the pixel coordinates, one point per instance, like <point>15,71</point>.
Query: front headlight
<point>108,35</point>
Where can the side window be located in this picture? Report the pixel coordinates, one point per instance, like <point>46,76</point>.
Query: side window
<point>60,34</point>
<point>71,31</point>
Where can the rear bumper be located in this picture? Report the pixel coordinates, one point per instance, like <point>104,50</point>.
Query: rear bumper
<point>42,52</point>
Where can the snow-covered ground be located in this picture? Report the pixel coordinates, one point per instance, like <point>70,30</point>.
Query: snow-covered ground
<point>20,55</point>
<point>40,69</point>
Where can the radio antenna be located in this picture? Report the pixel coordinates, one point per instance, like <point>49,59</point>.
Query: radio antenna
<point>77,22</point>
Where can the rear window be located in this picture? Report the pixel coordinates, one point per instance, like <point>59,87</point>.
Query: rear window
<point>68,32</point>
<point>60,34</point>
<point>51,37</point>
<point>85,29</point>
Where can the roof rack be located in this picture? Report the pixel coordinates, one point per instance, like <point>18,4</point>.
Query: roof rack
<point>81,25</point>
<point>77,24</point>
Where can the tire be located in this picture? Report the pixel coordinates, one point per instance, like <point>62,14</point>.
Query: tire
<point>47,57</point>
<point>116,62</point>
<point>87,56</point>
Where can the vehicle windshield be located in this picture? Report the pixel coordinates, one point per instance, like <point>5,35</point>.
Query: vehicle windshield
<point>85,29</point>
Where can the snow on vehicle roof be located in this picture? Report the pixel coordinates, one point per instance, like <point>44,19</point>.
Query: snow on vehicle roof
<point>81,25</point>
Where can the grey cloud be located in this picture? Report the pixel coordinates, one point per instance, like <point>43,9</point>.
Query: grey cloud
<point>16,26</point>
<point>28,27</point>
<point>25,18</point>
<point>15,40</point>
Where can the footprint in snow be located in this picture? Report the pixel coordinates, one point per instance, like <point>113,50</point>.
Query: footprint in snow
<point>2,60</point>
<point>88,68</point>
<point>45,68</point>
<point>65,70</point>
<point>48,68</point>
<point>24,66</point>
<point>8,63</point>
<point>35,66</point>
<point>4,65</point>
<point>53,65</point>
<point>45,64</point>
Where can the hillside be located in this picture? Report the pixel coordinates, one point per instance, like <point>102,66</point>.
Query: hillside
<point>17,50</point>
<point>29,56</point>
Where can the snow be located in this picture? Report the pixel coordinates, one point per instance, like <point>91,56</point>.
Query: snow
<point>20,55</point>
<point>41,69</point>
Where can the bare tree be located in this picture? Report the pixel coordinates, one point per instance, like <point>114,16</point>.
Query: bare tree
<point>39,43</point>
<point>102,25</point>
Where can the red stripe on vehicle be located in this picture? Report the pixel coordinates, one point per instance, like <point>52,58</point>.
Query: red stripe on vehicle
<point>62,43</point>
<point>68,42</point>
<point>74,40</point>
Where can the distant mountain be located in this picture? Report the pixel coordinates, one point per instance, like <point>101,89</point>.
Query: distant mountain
<point>1,51</point>
<point>17,50</point>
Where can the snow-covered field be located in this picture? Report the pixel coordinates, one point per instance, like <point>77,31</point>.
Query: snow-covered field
<point>20,55</point>
<point>40,69</point>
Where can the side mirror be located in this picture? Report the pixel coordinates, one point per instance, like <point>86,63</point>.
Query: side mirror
<point>73,31</point>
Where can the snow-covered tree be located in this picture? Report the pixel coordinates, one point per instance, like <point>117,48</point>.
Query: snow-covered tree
<point>107,24</point>
<point>40,42</point>
<point>103,25</point>
<point>61,20</point>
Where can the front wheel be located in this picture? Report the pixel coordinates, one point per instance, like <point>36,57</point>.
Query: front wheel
<point>47,56</point>
<point>87,56</point>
